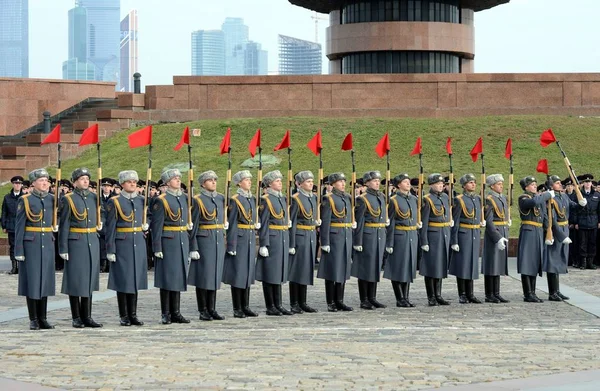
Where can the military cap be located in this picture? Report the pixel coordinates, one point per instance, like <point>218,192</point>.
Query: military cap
<point>140,183</point>
<point>303,176</point>
<point>26,183</point>
<point>326,180</point>
<point>567,181</point>
<point>16,179</point>
<point>169,174</point>
<point>183,187</point>
<point>336,176</point>
<point>399,178</point>
<point>118,186</point>
<point>435,178</point>
<point>467,178</point>
<point>52,180</point>
<point>383,181</point>
<point>271,176</point>
<point>594,183</point>
<point>37,174</point>
<point>493,179</point>
<point>414,181</point>
<point>585,178</point>
<point>528,180</point>
<point>107,181</point>
<point>542,187</point>
<point>360,182</point>
<point>315,188</point>
<point>447,179</point>
<point>370,175</point>
<point>161,183</point>
<point>240,176</point>
<point>93,184</point>
<point>552,179</point>
<point>153,185</point>
<point>128,175</point>
<point>79,172</point>
<point>206,175</point>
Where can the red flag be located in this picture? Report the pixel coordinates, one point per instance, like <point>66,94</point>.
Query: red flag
<point>383,146</point>
<point>89,136</point>
<point>542,166</point>
<point>347,143</point>
<point>255,142</point>
<point>53,137</point>
<point>477,149</point>
<point>185,139</point>
<point>418,149</point>
<point>226,142</point>
<point>141,137</point>
<point>508,151</point>
<point>449,145</point>
<point>315,144</point>
<point>285,142</point>
<point>547,138</point>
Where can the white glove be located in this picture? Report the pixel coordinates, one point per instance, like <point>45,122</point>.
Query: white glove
<point>318,223</point>
<point>455,247</point>
<point>232,253</point>
<point>289,223</point>
<point>510,223</point>
<point>387,223</point>
<point>425,248</point>
<point>451,223</point>
<point>325,249</point>
<point>354,225</point>
<point>501,245</point>
<point>483,224</point>
<point>567,240</point>
<point>55,228</point>
<point>549,242</point>
<point>190,226</point>
<point>357,248</point>
<point>226,226</point>
<point>292,251</point>
<point>551,193</point>
<point>195,255</point>
<point>257,225</point>
<point>419,225</point>
<point>99,227</point>
<point>389,250</point>
<point>20,258</point>
<point>159,255</point>
<point>111,257</point>
<point>263,251</point>
<point>583,202</point>
<point>64,256</point>
<point>145,227</point>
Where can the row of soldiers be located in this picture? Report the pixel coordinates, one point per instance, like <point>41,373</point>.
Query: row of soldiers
<point>213,244</point>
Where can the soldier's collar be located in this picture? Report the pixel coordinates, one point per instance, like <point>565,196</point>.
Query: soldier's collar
<point>40,194</point>
<point>244,193</point>
<point>337,192</point>
<point>469,193</point>
<point>129,196</point>
<point>175,192</point>
<point>304,192</point>
<point>274,192</point>
<point>495,193</point>
<point>373,191</point>
<point>208,193</point>
<point>83,192</point>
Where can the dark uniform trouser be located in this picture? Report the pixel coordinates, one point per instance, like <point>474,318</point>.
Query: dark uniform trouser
<point>11,243</point>
<point>573,248</point>
<point>587,245</point>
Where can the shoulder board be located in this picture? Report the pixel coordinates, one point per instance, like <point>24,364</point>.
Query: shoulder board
<point>114,197</point>
<point>25,195</point>
<point>525,195</point>
<point>426,196</point>
<point>68,195</point>
<point>235,196</point>
<point>264,196</point>
<point>459,196</point>
<point>296,195</point>
<point>162,195</point>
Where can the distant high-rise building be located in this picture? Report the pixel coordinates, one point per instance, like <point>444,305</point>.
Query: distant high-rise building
<point>129,50</point>
<point>299,57</point>
<point>208,52</point>
<point>255,59</point>
<point>74,69</point>
<point>14,38</point>
<point>236,37</point>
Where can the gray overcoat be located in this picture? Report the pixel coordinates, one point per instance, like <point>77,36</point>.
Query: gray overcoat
<point>303,238</point>
<point>531,234</point>
<point>273,235</point>
<point>435,233</point>
<point>495,262</point>
<point>467,234</point>
<point>402,236</point>
<point>556,256</point>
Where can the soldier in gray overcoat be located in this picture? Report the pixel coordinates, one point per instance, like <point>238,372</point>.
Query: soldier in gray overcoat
<point>402,240</point>
<point>240,260</point>
<point>207,245</point>
<point>435,239</point>
<point>272,264</point>
<point>369,240</point>
<point>531,236</point>
<point>170,243</point>
<point>34,248</point>
<point>466,239</point>
<point>303,241</point>
<point>126,247</point>
<point>494,262</point>
<point>336,242</point>
<point>78,246</point>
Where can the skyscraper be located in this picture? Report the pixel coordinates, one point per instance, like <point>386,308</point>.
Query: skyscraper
<point>255,59</point>
<point>208,52</point>
<point>236,37</point>
<point>129,50</point>
<point>299,57</point>
<point>14,38</point>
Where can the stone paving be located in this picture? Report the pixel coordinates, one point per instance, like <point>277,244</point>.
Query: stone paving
<point>388,349</point>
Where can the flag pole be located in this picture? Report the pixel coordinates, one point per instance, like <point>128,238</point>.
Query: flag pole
<point>98,214</point>
<point>420,189</point>
<point>571,172</point>
<point>321,184</point>
<point>511,181</point>
<point>190,183</point>
<point>289,184</point>
<point>228,186</point>
<point>549,236</point>
<point>353,193</point>
<point>451,185</point>
<point>58,175</point>
<point>259,183</point>
<point>148,176</point>
<point>387,178</point>
<point>482,188</point>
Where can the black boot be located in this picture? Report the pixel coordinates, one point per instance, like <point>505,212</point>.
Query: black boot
<point>269,300</point>
<point>462,290</point>
<point>430,288</point>
<point>211,303</point>
<point>15,267</point>
<point>372,295</point>
<point>556,277</point>
<point>174,304</point>
<point>470,294</point>
<point>33,314</point>
<point>590,264</point>
<point>438,292</point>
<point>496,284</point>
<point>132,299</point>
<point>488,283</point>
<point>86,313</point>
<point>202,307</point>
<point>399,293</point>
<point>122,304</point>
<point>43,313</point>
<point>363,287</point>
<point>277,299</point>
<point>236,299</point>
<point>294,298</point>
<point>302,289</point>
<point>526,283</point>
<point>339,297</point>
<point>75,314</point>
<point>533,280</point>
<point>582,263</point>
<point>405,287</point>
<point>165,317</point>
<point>552,288</point>
<point>246,303</point>
<point>329,296</point>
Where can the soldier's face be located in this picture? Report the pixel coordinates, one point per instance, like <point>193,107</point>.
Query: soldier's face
<point>307,185</point>
<point>570,188</point>
<point>41,184</point>
<point>374,184</point>
<point>82,183</point>
<point>117,190</point>
<point>276,185</point>
<point>470,186</point>
<point>557,186</point>
<point>498,187</point>
<point>340,185</point>
<point>210,184</point>
<point>107,189</point>
<point>587,185</point>
<point>404,186</point>
<point>175,183</point>
<point>246,184</point>
<point>129,186</point>
<point>17,186</point>
<point>439,186</point>
<point>532,187</point>
<point>153,191</point>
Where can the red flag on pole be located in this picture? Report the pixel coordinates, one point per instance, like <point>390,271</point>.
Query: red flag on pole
<point>254,143</point>
<point>508,151</point>
<point>542,166</point>
<point>226,142</point>
<point>418,149</point>
<point>141,137</point>
<point>89,136</point>
<point>547,138</point>
<point>315,144</point>
<point>383,146</point>
<point>449,145</point>
<point>477,149</point>
<point>185,139</point>
<point>347,143</point>
<point>52,137</point>
<point>285,142</point>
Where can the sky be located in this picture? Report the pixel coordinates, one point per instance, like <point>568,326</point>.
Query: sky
<point>520,37</point>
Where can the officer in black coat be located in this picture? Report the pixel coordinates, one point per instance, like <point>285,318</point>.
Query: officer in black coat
<point>586,223</point>
<point>9,212</point>
<point>107,186</point>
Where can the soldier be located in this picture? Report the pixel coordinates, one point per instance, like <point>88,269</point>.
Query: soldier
<point>26,185</point>
<point>369,240</point>
<point>574,246</point>
<point>9,212</point>
<point>466,239</point>
<point>336,242</point>
<point>240,260</point>
<point>402,240</point>
<point>126,247</point>
<point>531,236</point>
<point>94,187</point>
<point>495,240</point>
<point>78,246</point>
<point>34,248</point>
<point>207,245</point>
<point>272,264</point>
<point>170,243</point>
<point>107,185</point>
<point>586,224</point>
<point>303,241</point>
<point>435,239</point>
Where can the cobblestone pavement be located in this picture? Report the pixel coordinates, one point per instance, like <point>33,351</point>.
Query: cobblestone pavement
<point>587,281</point>
<point>392,348</point>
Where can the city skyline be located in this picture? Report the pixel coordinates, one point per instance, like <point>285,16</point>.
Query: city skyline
<point>14,38</point>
